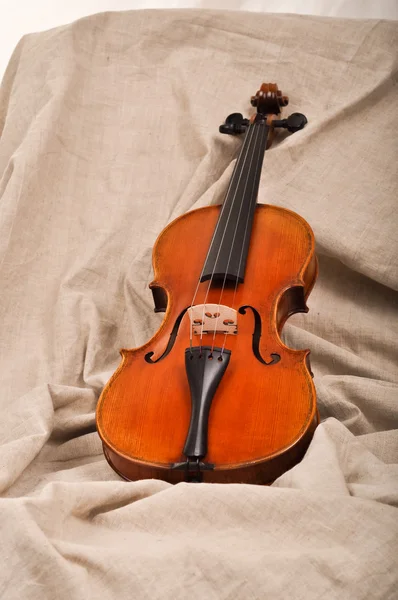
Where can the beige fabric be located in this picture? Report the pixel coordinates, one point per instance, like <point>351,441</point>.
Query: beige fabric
<point>109,131</point>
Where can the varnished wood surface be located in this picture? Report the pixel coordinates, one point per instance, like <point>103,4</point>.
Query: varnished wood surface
<point>262,417</point>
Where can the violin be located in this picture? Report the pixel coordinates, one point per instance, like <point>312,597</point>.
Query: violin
<point>215,395</point>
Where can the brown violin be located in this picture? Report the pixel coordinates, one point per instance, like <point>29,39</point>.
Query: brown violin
<point>215,395</point>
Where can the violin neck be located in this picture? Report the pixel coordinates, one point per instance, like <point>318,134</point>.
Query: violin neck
<point>227,255</point>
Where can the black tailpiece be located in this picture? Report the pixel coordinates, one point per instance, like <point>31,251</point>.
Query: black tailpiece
<point>205,368</point>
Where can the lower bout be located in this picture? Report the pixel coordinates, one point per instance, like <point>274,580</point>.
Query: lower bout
<point>259,473</point>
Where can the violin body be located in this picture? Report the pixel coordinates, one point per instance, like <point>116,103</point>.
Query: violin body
<point>262,417</point>
<point>215,395</point>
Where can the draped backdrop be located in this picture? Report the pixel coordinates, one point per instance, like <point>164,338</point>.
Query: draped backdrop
<point>109,130</point>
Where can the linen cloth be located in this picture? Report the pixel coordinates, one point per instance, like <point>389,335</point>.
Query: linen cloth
<point>109,131</point>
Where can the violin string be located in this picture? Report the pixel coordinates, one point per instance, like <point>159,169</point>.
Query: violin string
<point>234,236</point>
<point>244,148</point>
<point>258,167</point>
<point>223,207</point>
<point>252,129</point>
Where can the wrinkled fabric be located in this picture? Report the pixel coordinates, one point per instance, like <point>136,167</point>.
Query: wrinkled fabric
<point>109,130</point>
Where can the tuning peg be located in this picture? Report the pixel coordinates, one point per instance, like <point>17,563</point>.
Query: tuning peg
<point>294,123</point>
<point>234,124</point>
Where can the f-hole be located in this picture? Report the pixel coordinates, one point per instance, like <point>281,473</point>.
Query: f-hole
<point>275,358</point>
<point>170,344</point>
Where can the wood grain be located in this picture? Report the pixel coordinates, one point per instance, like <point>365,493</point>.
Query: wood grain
<point>262,417</point>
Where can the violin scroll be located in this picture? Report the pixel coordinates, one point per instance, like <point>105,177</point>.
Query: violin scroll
<point>269,99</point>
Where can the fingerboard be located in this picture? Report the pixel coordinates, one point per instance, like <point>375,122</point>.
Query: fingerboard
<point>227,255</point>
